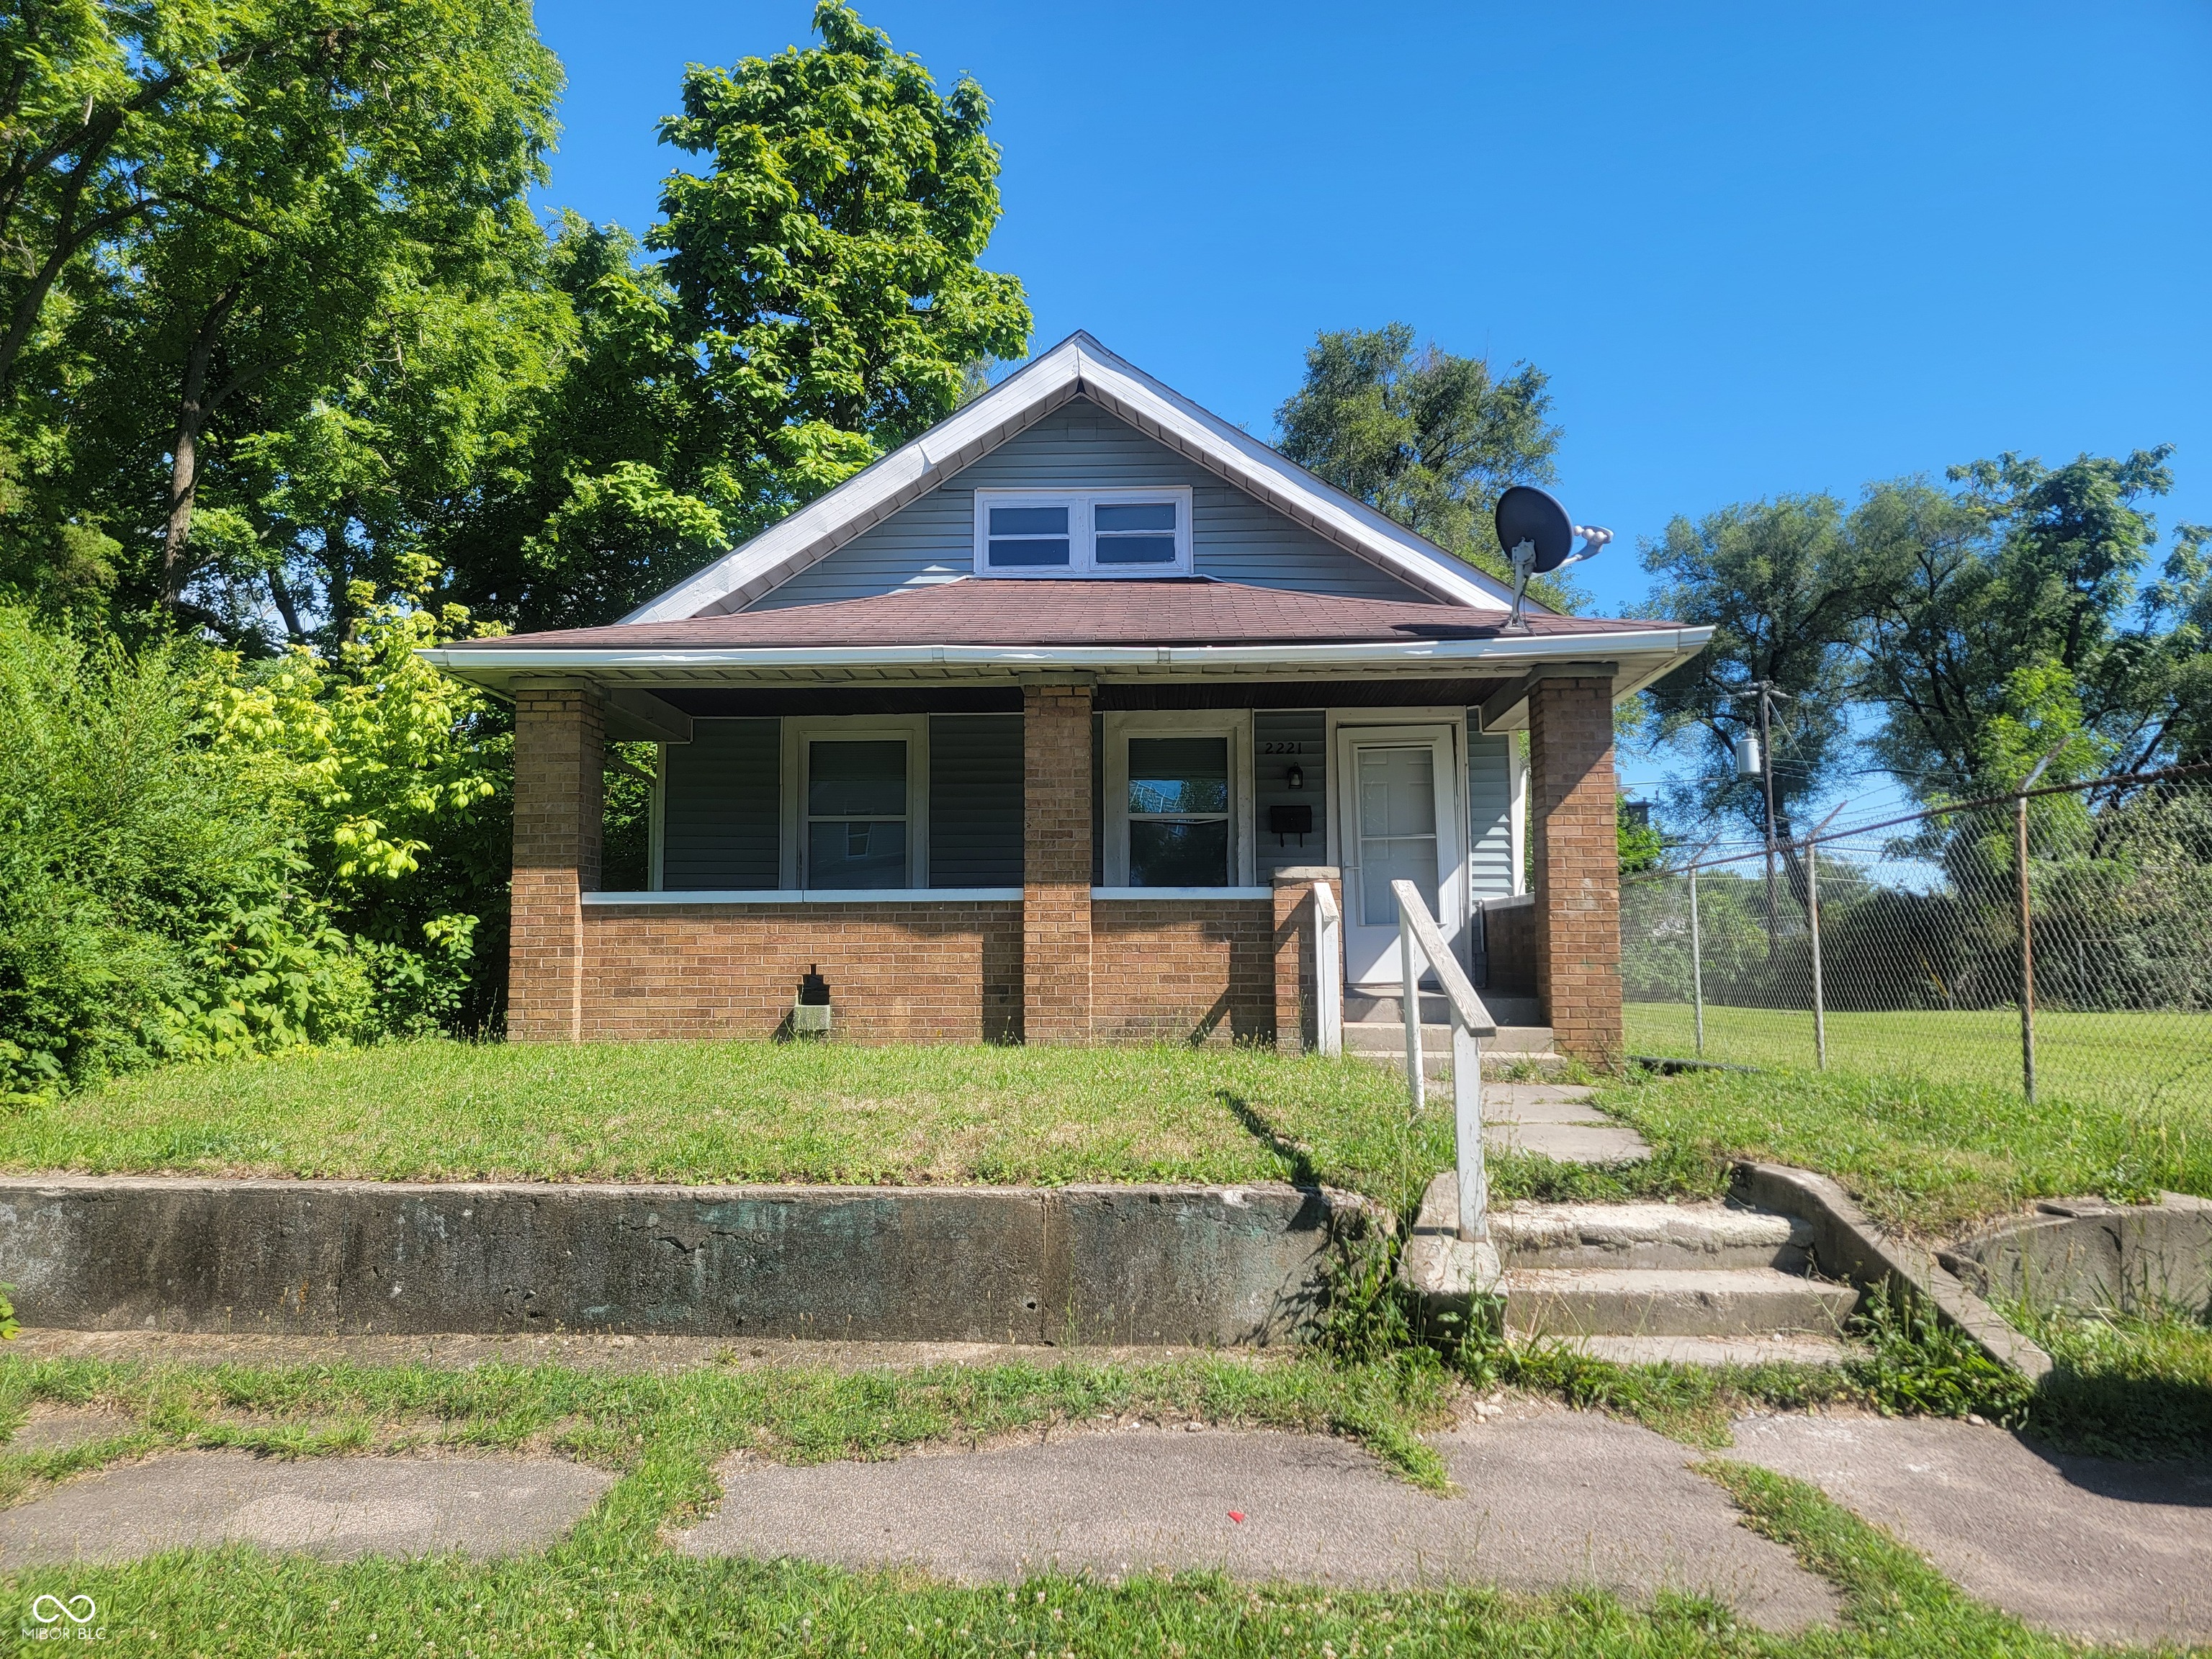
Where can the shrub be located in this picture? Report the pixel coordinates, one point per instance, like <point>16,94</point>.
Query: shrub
<point>201,858</point>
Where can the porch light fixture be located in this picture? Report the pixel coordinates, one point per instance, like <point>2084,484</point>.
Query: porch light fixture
<point>809,1014</point>
<point>1298,777</point>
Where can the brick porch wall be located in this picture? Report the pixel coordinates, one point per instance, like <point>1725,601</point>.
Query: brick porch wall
<point>897,972</point>
<point>560,735</point>
<point>1058,968</point>
<point>1180,969</point>
<point>1577,864</point>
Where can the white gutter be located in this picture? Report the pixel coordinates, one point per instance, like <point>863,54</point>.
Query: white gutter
<point>1093,658</point>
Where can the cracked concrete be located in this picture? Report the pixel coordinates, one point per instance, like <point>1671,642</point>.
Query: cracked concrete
<point>1549,1499</point>
<point>339,1507</point>
<point>2098,1549</point>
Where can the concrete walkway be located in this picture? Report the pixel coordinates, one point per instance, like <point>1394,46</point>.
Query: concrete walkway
<point>1550,1498</point>
<point>2098,1549</point>
<point>339,1507</point>
<point>1554,1120</point>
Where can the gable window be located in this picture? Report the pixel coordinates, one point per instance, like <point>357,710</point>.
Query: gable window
<point>1178,800</point>
<point>856,795</point>
<point>1070,532</point>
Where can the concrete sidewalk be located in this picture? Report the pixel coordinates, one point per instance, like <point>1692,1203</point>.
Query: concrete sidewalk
<point>1549,1499</point>
<point>1546,1498</point>
<point>1555,1120</point>
<point>2099,1549</point>
<point>330,1506</point>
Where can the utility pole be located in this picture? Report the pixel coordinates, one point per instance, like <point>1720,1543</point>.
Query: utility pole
<point>1768,693</point>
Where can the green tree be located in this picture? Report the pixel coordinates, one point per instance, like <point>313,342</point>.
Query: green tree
<point>827,264</point>
<point>819,301</point>
<point>2006,621</point>
<point>1783,585</point>
<point>278,184</point>
<point>2180,674</point>
<point>1642,848</point>
<point>611,482</point>
<point>1426,438</point>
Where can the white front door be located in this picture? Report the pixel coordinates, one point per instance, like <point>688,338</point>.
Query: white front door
<point>1398,820</point>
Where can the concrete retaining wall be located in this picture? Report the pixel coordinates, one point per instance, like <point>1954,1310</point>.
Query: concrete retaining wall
<point>1095,1264</point>
<point>2092,1256</point>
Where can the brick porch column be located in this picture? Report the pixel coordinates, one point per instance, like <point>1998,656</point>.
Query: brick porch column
<point>1297,937</point>
<point>560,742</point>
<point>1577,860</point>
<point>1056,863</point>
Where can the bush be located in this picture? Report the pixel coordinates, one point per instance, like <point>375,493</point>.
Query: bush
<point>201,858</point>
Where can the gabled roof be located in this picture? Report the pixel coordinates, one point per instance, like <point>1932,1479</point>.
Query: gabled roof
<point>1078,367</point>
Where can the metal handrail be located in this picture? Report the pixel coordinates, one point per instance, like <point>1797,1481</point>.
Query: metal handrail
<point>1418,936</point>
<point>1329,971</point>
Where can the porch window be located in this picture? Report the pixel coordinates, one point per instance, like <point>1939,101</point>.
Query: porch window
<point>1179,812</point>
<point>855,803</point>
<point>1176,798</point>
<point>1083,532</point>
<point>856,816</point>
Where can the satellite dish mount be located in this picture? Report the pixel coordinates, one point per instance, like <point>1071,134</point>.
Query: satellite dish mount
<point>1539,536</point>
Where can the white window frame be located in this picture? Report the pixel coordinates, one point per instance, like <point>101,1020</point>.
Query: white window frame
<point>1234,723</point>
<point>1081,504</point>
<point>798,733</point>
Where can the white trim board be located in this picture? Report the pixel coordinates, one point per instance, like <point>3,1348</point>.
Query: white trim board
<point>1178,894</point>
<point>1078,367</point>
<point>842,896</point>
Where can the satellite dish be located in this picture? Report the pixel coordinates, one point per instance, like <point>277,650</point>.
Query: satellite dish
<point>1539,536</point>
<point>1532,518</point>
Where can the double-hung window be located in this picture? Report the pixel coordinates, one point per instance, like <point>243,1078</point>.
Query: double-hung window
<point>1178,811</point>
<point>855,798</point>
<point>1177,799</point>
<point>1077,532</point>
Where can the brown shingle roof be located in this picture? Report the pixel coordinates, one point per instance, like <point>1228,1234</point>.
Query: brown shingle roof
<point>1050,611</point>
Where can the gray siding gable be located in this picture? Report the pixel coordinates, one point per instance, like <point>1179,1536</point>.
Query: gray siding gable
<point>1079,447</point>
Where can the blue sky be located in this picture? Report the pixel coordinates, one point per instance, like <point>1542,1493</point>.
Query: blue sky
<point>1758,248</point>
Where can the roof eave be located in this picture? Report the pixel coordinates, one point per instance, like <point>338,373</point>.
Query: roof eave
<point>1643,654</point>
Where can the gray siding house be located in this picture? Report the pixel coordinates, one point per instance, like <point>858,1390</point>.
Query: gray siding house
<point>1045,727</point>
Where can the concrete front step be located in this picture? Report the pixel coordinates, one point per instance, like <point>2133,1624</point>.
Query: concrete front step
<point>1389,1008</point>
<point>1787,1348</point>
<point>1655,1235</point>
<point>1572,1302</point>
<point>1388,1042</point>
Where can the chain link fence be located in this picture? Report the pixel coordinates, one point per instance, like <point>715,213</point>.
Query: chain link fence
<point>2057,943</point>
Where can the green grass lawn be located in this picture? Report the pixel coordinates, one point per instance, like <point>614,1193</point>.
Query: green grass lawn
<point>2147,1061</point>
<point>1927,1155</point>
<point>709,1112</point>
<point>615,1586</point>
<point>1924,1157</point>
